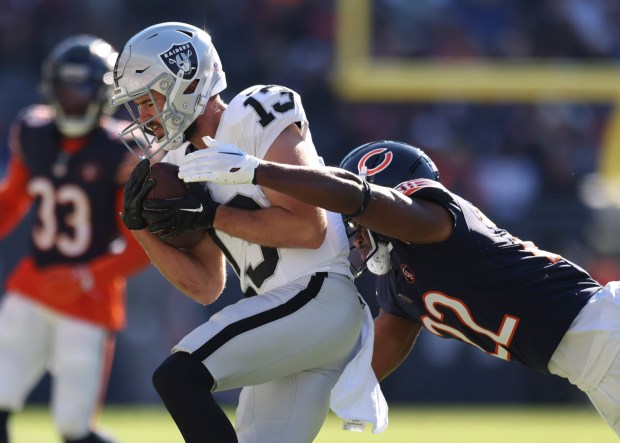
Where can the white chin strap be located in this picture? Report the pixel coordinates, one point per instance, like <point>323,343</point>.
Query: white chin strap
<point>379,263</point>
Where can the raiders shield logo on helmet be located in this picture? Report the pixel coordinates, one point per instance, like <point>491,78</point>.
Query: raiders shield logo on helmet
<point>182,58</point>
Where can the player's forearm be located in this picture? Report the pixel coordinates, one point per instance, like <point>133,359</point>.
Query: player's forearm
<point>199,274</point>
<point>328,188</point>
<point>394,338</point>
<point>274,227</point>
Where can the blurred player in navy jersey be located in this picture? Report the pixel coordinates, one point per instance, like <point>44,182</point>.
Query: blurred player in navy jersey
<point>292,336</point>
<point>65,300</point>
<point>442,265</point>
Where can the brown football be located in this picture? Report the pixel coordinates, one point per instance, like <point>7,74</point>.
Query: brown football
<point>167,184</point>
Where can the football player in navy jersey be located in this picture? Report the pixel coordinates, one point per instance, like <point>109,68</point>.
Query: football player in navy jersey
<point>64,301</point>
<point>442,265</point>
<point>301,322</point>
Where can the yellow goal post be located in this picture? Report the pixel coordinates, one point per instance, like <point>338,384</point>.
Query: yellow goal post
<point>359,77</point>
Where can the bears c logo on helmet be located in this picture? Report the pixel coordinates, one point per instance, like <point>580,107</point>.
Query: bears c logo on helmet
<point>387,159</point>
<point>181,58</point>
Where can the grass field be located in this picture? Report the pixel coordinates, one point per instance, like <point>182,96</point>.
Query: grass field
<point>415,424</point>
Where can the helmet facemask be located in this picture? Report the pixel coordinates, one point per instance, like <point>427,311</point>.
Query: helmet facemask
<point>172,122</point>
<point>377,261</point>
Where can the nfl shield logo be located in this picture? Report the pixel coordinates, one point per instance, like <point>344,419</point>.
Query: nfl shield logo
<point>181,57</point>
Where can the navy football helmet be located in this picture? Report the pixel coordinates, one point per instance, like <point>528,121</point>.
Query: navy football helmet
<point>72,82</point>
<point>384,163</point>
<point>389,163</point>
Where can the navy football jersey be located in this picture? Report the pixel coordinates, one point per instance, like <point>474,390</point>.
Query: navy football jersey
<point>74,194</point>
<point>484,286</point>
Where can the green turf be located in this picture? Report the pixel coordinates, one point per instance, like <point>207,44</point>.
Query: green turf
<point>416,424</point>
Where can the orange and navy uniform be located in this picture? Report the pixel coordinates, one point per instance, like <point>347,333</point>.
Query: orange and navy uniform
<point>484,286</point>
<point>76,187</point>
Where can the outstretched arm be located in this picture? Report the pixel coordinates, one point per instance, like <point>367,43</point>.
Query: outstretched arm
<point>226,164</point>
<point>333,189</point>
<point>381,209</point>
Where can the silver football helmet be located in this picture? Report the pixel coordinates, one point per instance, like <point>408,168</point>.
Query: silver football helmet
<point>177,60</point>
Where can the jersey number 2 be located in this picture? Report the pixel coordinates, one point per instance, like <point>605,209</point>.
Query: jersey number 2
<point>434,323</point>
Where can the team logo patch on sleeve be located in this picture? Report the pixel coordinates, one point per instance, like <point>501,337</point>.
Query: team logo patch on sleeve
<point>181,58</point>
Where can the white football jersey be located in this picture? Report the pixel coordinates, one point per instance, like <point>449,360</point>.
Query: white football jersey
<point>252,121</point>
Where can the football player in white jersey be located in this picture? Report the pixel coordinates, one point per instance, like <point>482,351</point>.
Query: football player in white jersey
<point>300,325</point>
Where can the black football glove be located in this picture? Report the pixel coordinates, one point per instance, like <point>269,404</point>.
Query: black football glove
<point>173,216</point>
<point>136,190</point>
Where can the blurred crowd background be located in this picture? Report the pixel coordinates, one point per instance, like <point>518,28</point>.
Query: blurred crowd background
<point>532,168</point>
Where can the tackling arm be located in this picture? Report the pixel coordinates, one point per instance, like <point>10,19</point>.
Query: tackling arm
<point>380,209</point>
<point>394,339</point>
<point>333,189</point>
